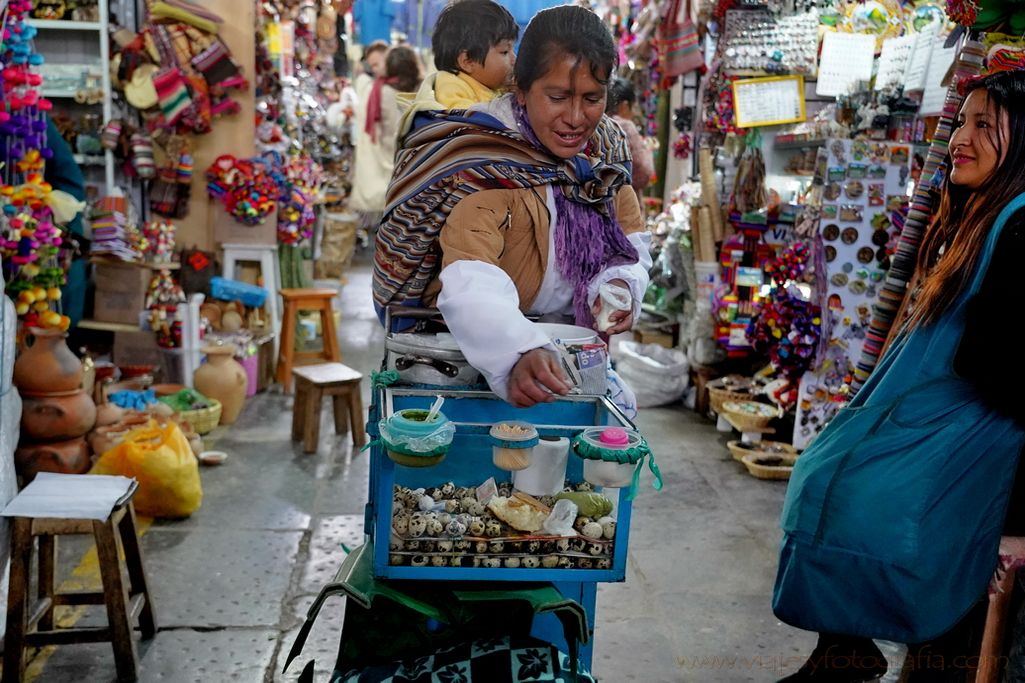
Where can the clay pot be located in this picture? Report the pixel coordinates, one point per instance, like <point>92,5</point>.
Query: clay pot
<point>224,379</point>
<point>212,313</point>
<point>231,321</point>
<point>48,366</point>
<point>67,457</point>
<point>104,438</point>
<point>56,418</point>
<point>108,414</point>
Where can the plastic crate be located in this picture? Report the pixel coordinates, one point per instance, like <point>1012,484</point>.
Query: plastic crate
<point>233,290</point>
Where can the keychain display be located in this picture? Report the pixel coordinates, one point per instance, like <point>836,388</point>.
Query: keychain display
<point>856,254</point>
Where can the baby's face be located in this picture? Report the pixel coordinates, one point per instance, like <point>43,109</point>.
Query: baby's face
<point>497,70</point>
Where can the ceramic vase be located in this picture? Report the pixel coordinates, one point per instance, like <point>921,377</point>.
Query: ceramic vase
<point>57,418</point>
<point>48,366</point>
<point>66,457</point>
<point>224,379</point>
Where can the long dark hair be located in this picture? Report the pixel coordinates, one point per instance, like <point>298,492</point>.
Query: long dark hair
<point>565,30</point>
<point>965,217</point>
<point>403,64</point>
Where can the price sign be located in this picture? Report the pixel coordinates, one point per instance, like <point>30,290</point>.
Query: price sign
<point>769,101</point>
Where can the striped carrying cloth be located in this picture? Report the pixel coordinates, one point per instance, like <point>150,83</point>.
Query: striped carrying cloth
<point>450,155</point>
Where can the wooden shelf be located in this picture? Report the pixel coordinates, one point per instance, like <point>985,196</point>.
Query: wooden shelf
<point>798,144</point>
<point>61,25</point>
<point>137,264</point>
<point>107,327</point>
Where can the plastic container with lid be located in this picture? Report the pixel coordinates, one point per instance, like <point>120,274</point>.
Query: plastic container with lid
<point>412,441</point>
<point>512,444</point>
<point>613,457</point>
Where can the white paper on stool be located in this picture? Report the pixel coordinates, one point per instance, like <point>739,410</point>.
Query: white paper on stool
<point>70,496</point>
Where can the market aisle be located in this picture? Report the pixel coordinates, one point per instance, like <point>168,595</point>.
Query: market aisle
<point>233,582</point>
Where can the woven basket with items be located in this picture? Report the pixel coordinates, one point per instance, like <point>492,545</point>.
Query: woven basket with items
<point>730,388</point>
<point>749,416</point>
<point>770,465</point>
<point>770,448</point>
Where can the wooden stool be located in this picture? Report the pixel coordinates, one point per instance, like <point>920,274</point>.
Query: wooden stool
<point>267,257</point>
<point>992,650</point>
<point>305,300</point>
<point>312,384</point>
<point>124,603</point>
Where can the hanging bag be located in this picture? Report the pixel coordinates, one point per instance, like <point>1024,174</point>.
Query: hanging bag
<point>677,41</point>
<point>893,516</point>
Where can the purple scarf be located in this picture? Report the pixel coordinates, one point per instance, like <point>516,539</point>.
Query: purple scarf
<point>588,237</point>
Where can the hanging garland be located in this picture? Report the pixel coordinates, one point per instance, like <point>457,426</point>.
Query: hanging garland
<point>30,240</point>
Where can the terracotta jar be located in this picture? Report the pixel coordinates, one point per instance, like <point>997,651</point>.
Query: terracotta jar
<point>224,379</point>
<point>67,457</point>
<point>48,366</point>
<point>57,418</point>
<point>108,414</point>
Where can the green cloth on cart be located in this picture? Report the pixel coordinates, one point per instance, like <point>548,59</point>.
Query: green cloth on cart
<point>422,618</point>
<point>504,659</point>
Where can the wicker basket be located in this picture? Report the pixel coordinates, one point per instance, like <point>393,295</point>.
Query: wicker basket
<point>765,471</point>
<point>762,448</point>
<point>203,420</point>
<point>748,416</point>
<point>717,396</point>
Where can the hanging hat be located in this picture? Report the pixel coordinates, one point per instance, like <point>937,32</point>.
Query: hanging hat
<point>139,91</point>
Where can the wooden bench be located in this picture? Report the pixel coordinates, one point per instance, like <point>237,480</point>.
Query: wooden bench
<point>312,384</point>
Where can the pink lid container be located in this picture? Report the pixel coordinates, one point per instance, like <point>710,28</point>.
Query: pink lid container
<point>614,436</point>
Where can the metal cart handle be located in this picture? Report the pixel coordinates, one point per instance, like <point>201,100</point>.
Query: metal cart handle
<point>409,360</point>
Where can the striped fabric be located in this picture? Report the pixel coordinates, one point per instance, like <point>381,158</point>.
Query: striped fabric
<point>450,155</point>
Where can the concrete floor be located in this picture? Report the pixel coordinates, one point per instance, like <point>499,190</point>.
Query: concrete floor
<point>233,582</point>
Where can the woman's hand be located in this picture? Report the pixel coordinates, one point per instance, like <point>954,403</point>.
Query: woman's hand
<point>536,378</point>
<point>622,321</point>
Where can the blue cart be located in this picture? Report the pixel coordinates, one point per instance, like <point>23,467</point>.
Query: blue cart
<point>468,464</point>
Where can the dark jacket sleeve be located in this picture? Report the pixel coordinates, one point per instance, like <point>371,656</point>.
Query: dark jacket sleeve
<point>979,359</point>
<point>997,375</point>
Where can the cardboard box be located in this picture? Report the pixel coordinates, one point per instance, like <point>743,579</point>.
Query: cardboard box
<point>227,230</point>
<point>654,337</point>
<point>137,348</point>
<point>120,292</point>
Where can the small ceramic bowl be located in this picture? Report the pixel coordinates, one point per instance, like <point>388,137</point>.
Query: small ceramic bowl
<point>212,457</point>
<point>166,389</point>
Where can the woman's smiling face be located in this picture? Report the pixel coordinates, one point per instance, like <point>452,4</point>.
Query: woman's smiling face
<point>565,105</point>
<point>975,145</point>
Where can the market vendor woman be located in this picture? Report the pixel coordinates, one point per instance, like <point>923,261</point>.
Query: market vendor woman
<point>520,206</point>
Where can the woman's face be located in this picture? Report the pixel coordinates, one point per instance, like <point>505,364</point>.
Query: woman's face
<point>975,146</point>
<point>565,105</point>
<point>376,63</point>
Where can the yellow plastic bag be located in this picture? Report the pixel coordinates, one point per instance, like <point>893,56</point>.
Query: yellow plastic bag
<point>160,459</point>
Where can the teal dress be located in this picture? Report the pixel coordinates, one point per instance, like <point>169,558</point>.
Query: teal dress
<point>893,516</point>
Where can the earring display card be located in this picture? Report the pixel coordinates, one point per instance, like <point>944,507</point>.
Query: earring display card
<point>762,42</point>
<point>857,258</point>
<point>847,58</point>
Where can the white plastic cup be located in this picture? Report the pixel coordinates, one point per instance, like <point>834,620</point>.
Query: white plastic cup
<point>613,298</point>
<point>512,459</point>
<point>608,473</point>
